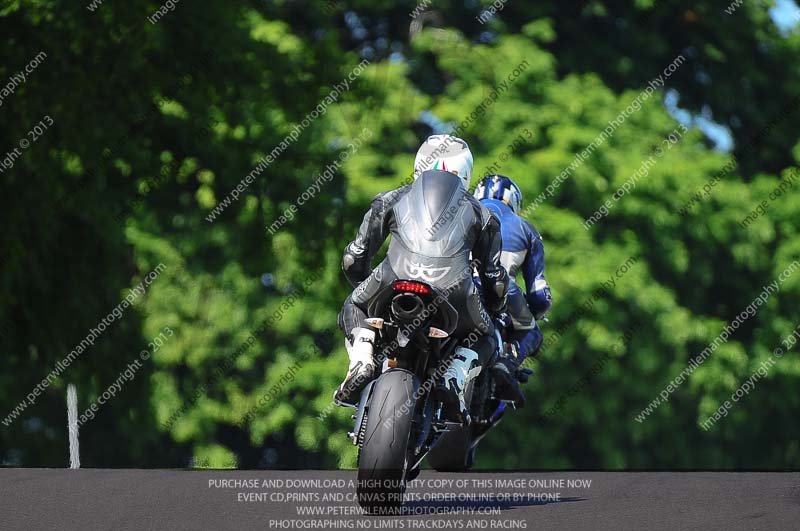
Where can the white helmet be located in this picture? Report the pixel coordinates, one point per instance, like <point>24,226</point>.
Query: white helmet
<point>445,152</point>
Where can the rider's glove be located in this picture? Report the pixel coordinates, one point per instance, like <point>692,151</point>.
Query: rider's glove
<point>504,319</point>
<point>523,374</point>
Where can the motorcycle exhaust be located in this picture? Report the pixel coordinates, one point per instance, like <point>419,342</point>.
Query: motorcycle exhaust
<point>406,307</point>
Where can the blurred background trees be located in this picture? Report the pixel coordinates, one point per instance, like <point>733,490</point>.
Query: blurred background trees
<point>154,124</point>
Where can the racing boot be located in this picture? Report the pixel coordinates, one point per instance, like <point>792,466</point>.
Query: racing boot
<point>505,375</point>
<point>360,345</point>
<point>463,368</point>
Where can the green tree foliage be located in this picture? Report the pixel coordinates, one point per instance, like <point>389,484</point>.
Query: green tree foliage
<point>156,124</point>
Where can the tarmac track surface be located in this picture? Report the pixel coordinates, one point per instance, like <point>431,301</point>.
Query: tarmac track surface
<point>90,499</point>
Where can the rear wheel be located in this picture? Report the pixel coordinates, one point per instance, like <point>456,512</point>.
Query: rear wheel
<point>452,452</point>
<point>383,457</point>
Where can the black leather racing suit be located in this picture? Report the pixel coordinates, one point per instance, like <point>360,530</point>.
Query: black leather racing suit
<point>435,226</point>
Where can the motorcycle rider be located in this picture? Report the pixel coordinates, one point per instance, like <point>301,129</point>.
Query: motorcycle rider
<point>523,250</point>
<point>435,224</point>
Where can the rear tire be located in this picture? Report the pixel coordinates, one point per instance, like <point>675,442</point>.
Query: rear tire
<point>452,452</point>
<point>383,457</point>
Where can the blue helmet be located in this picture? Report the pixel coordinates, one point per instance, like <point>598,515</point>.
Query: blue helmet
<point>502,188</point>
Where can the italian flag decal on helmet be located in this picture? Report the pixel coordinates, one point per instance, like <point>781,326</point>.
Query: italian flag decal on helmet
<point>445,153</point>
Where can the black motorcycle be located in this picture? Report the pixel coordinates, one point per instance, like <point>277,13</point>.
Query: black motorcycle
<point>399,420</point>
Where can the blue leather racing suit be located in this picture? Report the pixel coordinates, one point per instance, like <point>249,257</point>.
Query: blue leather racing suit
<point>523,251</point>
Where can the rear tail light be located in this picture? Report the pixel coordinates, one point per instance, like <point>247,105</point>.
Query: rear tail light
<point>413,287</point>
